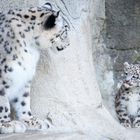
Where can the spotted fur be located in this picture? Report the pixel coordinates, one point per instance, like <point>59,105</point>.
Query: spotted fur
<point>127,101</point>
<point>22,33</point>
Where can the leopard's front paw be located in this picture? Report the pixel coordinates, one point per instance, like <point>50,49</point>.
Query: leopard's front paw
<point>12,127</point>
<point>36,124</point>
<point>126,125</point>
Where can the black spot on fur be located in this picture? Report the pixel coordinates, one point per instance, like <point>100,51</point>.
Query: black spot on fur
<point>59,49</point>
<point>14,19</point>
<point>123,98</point>
<point>10,69</point>
<point>37,43</point>
<point>19,15</point>
<point>122,120</point>
<point>23,103</point>
<point>5,68</point>
<point>19,25</point>
<point>33,17</point>
<point>3,82</point>
<point>2,92</point>
<point>24,43</point>
<point>1,40</point>
<point>26,94</point>
<point>0,72</point>
<point>137,121</point>
<point>11,34</point>
<point>42,14</point>
<point>23,112</point>
<point>6,25</point>
<point>119,111</point>
<point>5,117</point>
<point>32,27</point>
<point>26,16</point>
<point>36,37</point>
<point>32,11</point>
<point>9,115</point>
<point>6,43</point>
<point>50,22</point>
<point>15,57</point>
<point>19,63</point>
<point>2,30</point>
<point>127,89</point>
<point>39,10</point>
<point>124,114</point>
<point>17,9</point>
<point>27,30</point>
<point>7,48</point>
<point>1,108</point>
<point>29,113</point>
<point>17,41</point>
<point>22,34</point>
<point>2,17</point>
<point>11,12</point>
<point>6,109</point>
<point>3,60</point>
<point>15,100</point>
<point>2,121</point>
<point>7,86</point>
<point>25,50</point>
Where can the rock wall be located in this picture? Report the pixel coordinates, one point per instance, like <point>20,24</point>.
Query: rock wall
<point>118,42</point>
<point>67,85</point>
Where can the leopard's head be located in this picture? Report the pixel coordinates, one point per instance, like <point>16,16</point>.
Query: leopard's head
<point>131,75</point>
<point>52,28</point>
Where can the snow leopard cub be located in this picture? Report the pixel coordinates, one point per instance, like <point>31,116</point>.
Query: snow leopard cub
<point>127,101</point>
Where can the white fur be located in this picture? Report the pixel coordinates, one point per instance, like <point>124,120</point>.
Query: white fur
<point>13,126</point>
<point>15,81</point>
<point>19,75</point>
<point>133,104</point>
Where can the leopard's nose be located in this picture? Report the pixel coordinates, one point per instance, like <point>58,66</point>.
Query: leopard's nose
<point>57,13</point>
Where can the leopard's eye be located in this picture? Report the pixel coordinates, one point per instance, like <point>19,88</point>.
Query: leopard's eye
<point>48,6</point>
<point>133,76</point>
<point>126,73</point>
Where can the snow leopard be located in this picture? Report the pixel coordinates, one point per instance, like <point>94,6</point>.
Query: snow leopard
<point>127,101</point>
<point>22,33</point>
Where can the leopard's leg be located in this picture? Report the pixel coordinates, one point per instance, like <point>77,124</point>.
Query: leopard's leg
<point>122,113</point>
<point>136,122</point>
<point>6,125</point>
<point>21,105</point>
<point>124,118</point>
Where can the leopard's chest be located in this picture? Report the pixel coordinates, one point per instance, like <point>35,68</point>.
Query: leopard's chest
<point>133,104</point>
<point>29,62</point>
<point>23,71</point>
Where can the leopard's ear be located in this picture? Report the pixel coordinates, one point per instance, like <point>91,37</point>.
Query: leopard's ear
<point>51,21</point>
<point>48,6</point>
<point>126,64</point>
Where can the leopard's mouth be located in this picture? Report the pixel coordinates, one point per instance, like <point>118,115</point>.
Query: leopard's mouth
<point>61,40</point>
<point>60,49</point>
